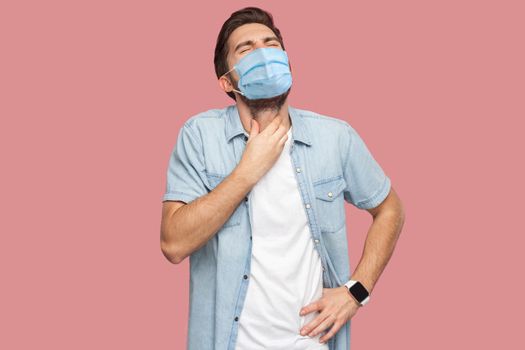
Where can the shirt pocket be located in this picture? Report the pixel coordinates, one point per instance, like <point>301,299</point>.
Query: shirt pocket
<point>235,218</point>
<point>330,203</point>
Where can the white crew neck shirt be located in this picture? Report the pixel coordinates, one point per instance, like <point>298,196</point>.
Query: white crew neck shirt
<point>286,270</point>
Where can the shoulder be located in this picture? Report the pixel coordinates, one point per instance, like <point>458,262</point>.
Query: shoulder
<point>206,125</point>
<point>326,126</point>
<point>206,119</point>
<point>317,118</point>
<point>323,120</point>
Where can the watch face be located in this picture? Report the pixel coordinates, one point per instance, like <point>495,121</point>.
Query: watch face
<point>358,291</point>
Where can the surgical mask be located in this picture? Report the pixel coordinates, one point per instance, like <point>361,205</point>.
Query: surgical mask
<point>263,73</point>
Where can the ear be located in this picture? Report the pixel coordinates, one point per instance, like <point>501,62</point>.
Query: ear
<point>225,84</point>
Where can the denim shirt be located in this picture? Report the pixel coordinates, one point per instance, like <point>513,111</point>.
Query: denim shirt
<point>332,166</point>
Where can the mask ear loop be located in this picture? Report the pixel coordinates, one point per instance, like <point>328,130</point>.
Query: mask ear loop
<point>229,72</point>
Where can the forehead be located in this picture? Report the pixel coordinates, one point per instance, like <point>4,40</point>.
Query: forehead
<point>250,31</point>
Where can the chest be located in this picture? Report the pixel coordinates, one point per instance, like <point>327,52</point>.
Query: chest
<point>316,170</point>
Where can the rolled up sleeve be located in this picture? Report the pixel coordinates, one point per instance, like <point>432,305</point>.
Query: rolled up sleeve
<point>367,185</point>
<point>185,178</point>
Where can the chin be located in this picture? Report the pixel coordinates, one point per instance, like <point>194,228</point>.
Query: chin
<point>261,104</point>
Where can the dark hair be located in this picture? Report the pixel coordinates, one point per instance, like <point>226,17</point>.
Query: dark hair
<point>237,19</point>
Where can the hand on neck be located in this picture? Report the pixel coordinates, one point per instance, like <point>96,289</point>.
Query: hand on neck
<point>263,117</point>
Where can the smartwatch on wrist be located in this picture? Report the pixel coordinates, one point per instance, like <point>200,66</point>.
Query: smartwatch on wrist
<point>358,292</point>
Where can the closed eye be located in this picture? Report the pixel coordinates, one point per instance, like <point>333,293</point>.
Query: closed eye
<point>247,49</point>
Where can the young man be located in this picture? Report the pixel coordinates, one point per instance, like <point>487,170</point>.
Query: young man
<point>255,197</point>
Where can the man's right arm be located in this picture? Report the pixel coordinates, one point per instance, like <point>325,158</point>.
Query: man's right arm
<point>187,227</point>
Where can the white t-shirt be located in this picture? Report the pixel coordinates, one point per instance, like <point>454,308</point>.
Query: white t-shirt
<point>286,270</point>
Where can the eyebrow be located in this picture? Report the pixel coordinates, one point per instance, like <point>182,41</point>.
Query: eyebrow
<point>251,42</point>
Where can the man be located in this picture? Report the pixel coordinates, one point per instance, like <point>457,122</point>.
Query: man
<point>255,197</point>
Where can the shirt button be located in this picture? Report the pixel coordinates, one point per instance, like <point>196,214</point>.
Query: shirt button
<point>316,240</point>
<point>298,170</point>
<point>236,318</point>
<point>308,206</point>
<point>245,277</point>
<point>330,194</point>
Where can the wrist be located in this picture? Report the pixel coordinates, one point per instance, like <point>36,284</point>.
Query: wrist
<point>357,291</point>
<point>243,178</point>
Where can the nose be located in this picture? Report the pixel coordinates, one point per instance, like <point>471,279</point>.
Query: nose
<point>259,44</point>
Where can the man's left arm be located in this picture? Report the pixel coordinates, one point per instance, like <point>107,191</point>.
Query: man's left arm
<point>367,188</point>
<point>388,220</point>
<point>337,306</point>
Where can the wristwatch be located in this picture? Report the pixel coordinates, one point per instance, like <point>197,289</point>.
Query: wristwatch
<point>358,292</point>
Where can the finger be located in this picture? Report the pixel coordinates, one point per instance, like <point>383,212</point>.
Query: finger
<point>307,329</point>
<point>316,305</point>
<point>327,322</point>
<point>254,128</point>
<point>282,123</point>
<point>283,139</point>
<point>313,324</point>
<point>335,328</point>
<point>274,124</point>
<point>281,130</point>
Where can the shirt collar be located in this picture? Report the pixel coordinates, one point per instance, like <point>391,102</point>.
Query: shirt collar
<point>234,126</point>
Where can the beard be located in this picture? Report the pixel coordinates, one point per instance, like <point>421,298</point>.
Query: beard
<point>263,104</point>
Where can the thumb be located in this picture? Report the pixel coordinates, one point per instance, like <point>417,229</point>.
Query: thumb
<point>254,128</point>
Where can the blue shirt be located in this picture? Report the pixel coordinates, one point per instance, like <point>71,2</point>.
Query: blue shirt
<point>332,165</point>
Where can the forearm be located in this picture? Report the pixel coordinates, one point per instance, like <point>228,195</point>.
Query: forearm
<point>194,224</point>
<point>379,247</point>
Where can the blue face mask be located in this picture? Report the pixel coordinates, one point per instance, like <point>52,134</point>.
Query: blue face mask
<point>263,73</point>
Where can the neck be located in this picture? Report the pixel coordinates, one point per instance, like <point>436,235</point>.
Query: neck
<point>263,117</point>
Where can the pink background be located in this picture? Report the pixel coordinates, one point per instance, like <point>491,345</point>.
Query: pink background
<point>93,94</point>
